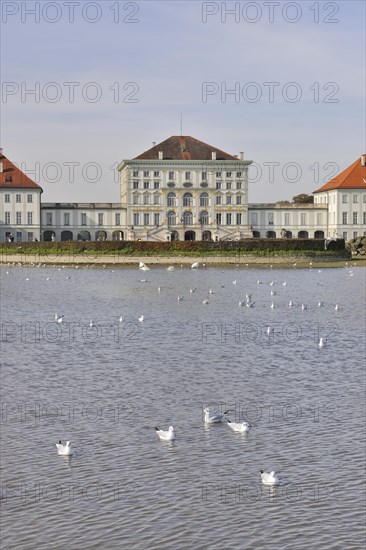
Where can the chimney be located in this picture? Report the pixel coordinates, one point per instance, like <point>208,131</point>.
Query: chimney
<point>363,160</point>
<point>241,155</point>
<point>160,155</point>
<point>154,143</point>
<point>213,155</point>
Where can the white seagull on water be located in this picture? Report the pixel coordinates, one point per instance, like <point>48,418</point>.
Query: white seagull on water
<point>269,479</point>
<point>64,450</point>
<point>213,417</point>
<point>166,435</point>
<point>241,427</point>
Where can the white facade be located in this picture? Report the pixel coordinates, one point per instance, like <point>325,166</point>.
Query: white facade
<point>347,212</point>
<point>185,200</point>
<point>20,214</point>
<point>83,221</point>
<point>299,220</point>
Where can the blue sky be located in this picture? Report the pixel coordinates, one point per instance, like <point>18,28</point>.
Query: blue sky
<point>162,62</point>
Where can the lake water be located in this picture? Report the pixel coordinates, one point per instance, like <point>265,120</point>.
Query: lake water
<point>106,387</point>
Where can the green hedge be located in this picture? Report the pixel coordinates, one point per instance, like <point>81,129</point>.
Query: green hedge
<point>250,246</point>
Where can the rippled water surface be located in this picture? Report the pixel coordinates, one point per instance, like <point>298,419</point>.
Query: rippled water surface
<point>106,387</point>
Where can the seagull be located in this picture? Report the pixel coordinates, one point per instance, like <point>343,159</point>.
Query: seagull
<point>195,265</point>
<point>170,268</point>
<point>213,418</point>
<point>159,288</point>
<point>248,296</point>
<point>211,291</point>
<point>168,435</point>
<point>180,298</point>
<point>241,427</point>
<point>269,330</point>
<point>272,305</point>
<point>191,290</point>
<point>143,267</point>
<point>322,342</point>
<point>320,304</point>
<point>141,319</point>
<point>303,307</point>
<point>336,307</point>
<point>121,319</point>
<point>241,303</point>
<point>234,282</point>
<point>64,450</point>
<point>273,292</point>
<point>205,302</point>
<point>250,304</point>
<point>269,479</point>
<point>284,284</point>
<point>60,319</point>
<point>91,324</point>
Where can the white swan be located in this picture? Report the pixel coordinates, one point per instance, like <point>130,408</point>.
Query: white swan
<point>241,427</point>
<point>195,265</point>
<point>143,267</point>
<point>213,417</point>
<point>64,450</point>
<point>166,435</point>
<point>269,479</point>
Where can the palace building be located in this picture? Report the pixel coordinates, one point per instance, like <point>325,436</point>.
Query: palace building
<point>182,188</point>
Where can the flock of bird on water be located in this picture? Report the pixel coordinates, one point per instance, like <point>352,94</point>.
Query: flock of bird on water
<point>210,417</point>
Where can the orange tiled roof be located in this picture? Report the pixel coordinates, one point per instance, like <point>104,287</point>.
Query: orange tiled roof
<point>13,178</point>
<point>184,148</point>
<point>353,177</point>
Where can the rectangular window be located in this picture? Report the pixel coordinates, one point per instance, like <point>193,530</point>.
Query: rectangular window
<point>136,218</point>
<point>228,174</point>
<point>135,185</point>
<point>204,175</point>
<point>228,199</point>
<point>228,219</point>
<point>146,219</point>
<point>355,234</point>
<point>364,199</point>
<point>7,218</point>
<point>48,218</point>
<point>7,197</point>
<point>238,199</point>
<point>364,217</point>
<point>146,174</point>
<point>319,219</point>
<point>30,198</point>
<point>344,199</point>
<point>218,185</point>
<point>83,219</point>
<point>100,218</point>
<point>218,174</point>
<point>270,218</point>
<point>29,218</point>
<point>238,219</point>
<point>218,219</point>
<point>287,219</point>
<point>218,199</point>
<point>66,218</point>
<point>156,218</point>
<point>156,184</point>
<point>254,218</point>
<point>18,218</point>
<point>19,236</point>
<point>146,185</point>
<point>171,175</point>
<point>238,174</point>
<point>156,199</point>
<point>135,199</point>
<point>146,199</point>
<point>345,235</point>
<point>117,219</point>
<point>156,174</point>
<point>355,199</point>
<point>188,175</point>
<point>135,173</point>
<point>228,185</point>
<point>303,219</point>
<point>355,218</point>
<point>18,198</point>
<point>344,218</point>
<point>238,184</point>
<point>30,236</point>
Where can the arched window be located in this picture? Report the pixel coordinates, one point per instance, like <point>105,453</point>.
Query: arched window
<point>204,219</point>
<point>188,218</point>
<point>172,219</point>
<point>171,198</point>
<point>187,199</point>
<point>204,199</point>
